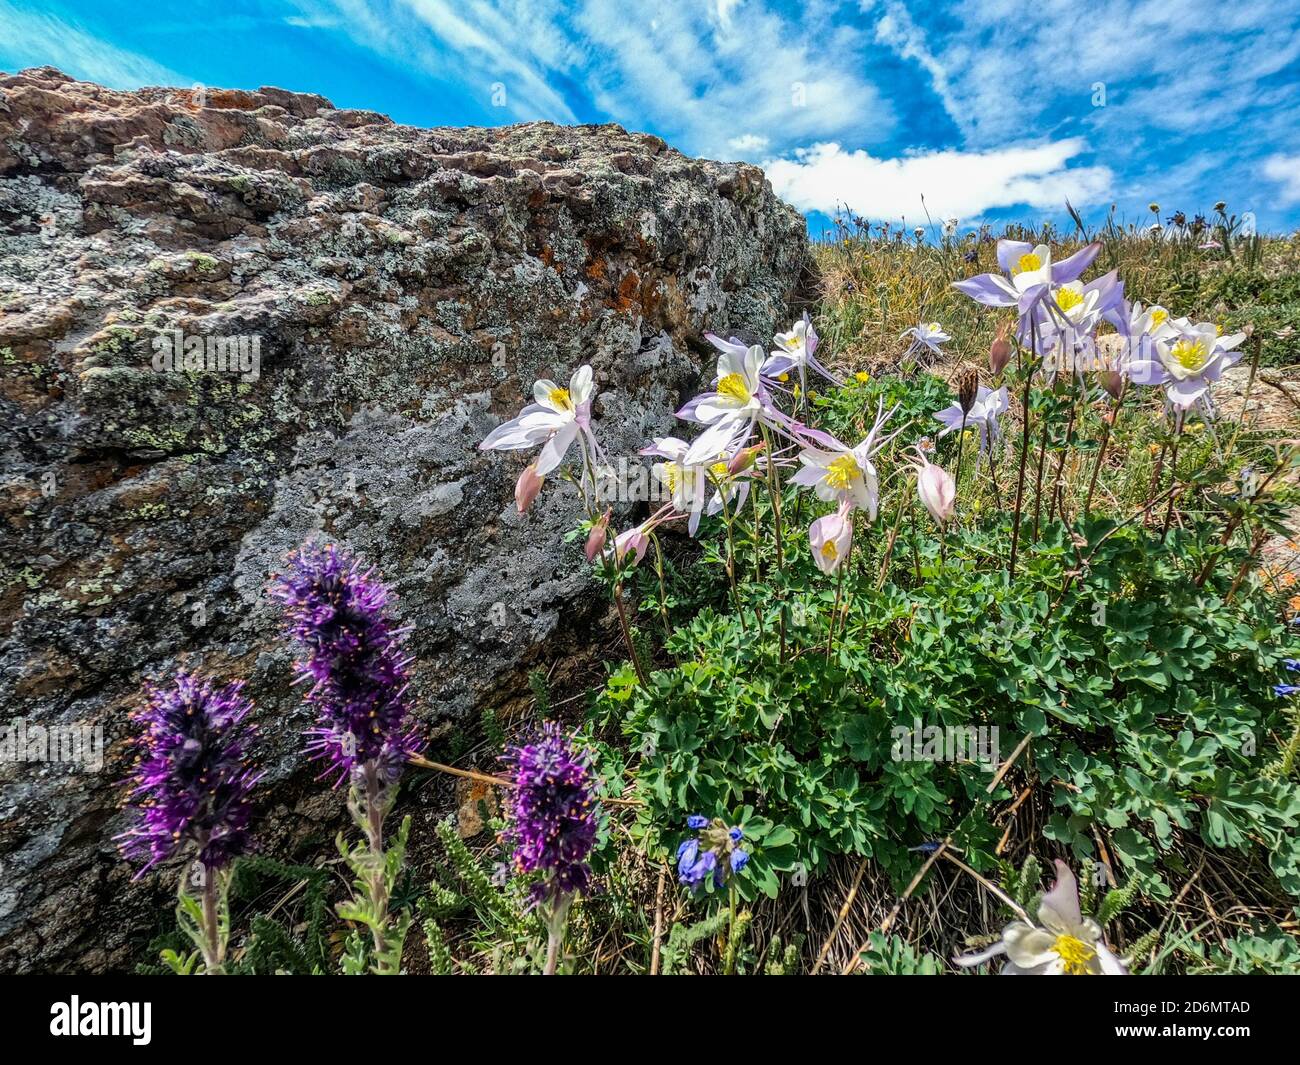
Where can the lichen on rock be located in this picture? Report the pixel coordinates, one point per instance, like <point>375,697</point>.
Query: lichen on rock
<point>403,287</point>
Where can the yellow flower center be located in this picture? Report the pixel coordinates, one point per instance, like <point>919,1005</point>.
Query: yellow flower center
<point>733,385</point>
<point>841,472</point>
<point>1075,955</point>
<point>1190,354</point>
<point>829,551</point>
<point>1028,261</point>
<point>559,397</point>
<point>932,327</point>
<point>1067,298</point>
<point>1158,315</point>
<point>672,476</point>
<point>719,471</point>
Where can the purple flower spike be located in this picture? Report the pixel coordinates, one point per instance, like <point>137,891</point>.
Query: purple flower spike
<point>555,814</point>
<point>193,783</point>
<point>358,672</point>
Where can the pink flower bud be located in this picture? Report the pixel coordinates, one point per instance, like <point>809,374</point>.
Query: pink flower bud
<point>596,538</point>
<point>1000,351</point>
<point>744,459</point>
<point>937,489</point>
<point>830,538</point>
<point>527,487</point>
<point>634,540</point>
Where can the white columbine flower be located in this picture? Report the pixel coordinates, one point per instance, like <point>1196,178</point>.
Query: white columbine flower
<point>796,352</point>
<point>1189,357</point>
<point>928,335</point>
<point>989,406</point>
<point>837,473</point>
<point>730,412</point>
<point>1066,944</point>
<point>553,421</point>
<point>687,485</point>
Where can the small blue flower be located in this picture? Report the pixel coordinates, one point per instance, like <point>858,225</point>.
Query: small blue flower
<point>1285,689</point>
<point>1293,664</point>
<point>712,852</point>
<point>928,847</point>
<point>694,873</point>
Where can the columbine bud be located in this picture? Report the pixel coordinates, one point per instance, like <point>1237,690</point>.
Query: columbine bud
<point>744,459</point>
<point>1221,206</point>
<point>937,489</point>
<point>634,540</point>
<point>1113,382</point>
<point>968,388</point>
<point>1154,208</point>
<point>596,538</point>
<point>1000,350</point>
<point>527,487</point>
<point>830,538</point>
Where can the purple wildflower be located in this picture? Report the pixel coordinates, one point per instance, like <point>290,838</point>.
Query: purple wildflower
<point>713,852</point>
<point>1285,689</point>
<point>555,814</point>
<point>193,782</point>
<point>358,673</point>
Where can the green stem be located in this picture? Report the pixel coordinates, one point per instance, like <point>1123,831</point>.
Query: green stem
<point>214,949</point>
<point>1024,455</point>
<point>1101,451</point>
<point>729,964</point>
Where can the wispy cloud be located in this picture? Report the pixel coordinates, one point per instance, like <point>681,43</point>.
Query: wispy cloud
<point>982,105</point>
<point>32,38</point>
<point>1285,170</point>
<point>719,78</point>
<point>953,183</point>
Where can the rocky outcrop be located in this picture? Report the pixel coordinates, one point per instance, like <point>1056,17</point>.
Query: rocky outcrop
<point>380,297</point>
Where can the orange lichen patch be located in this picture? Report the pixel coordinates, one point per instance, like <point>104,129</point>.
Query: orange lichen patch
<point>596,269</point>
<point>232,99</point>
<point>547,255</point>
<point>627,291</point>
<point>475,801</point>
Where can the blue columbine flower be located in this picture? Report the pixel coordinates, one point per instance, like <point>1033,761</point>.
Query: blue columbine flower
<point>1285,689</point>
<point>696,821</point>
<point>1293,664</point>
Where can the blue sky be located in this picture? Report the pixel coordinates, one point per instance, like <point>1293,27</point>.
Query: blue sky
<point>990,109</point>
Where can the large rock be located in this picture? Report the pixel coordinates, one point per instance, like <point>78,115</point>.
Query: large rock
<point>405,286</point>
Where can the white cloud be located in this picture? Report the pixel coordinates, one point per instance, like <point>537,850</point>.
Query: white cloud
<point>33,39</point>
<point>748,144</point>
<point>1285,170</point>
<point>1004,69</point>
<point>954,183</point>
